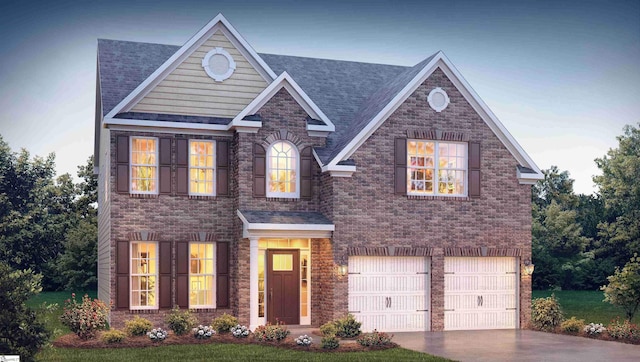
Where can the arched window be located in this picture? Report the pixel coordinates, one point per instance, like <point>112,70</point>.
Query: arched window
<point>282,170</point>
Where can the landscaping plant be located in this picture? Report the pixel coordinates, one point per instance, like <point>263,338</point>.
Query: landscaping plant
<point>86,318</point>
<point>180,322</point>
<point>546,314</point>
<point>304,340</point>
<point>271,332</point>
<point>329,329</point>
<point>239,331</point>
<point>348,327</point>
<point>137,326</point>
<point>624,330</point>
<point>572,325</point>
<point>203,332</point>
<point>623,289</point>
<point>224,323</point>
<point>374,339</point>
<point>157,334</point>
<point>329,342</point>
<point>594,329</point>
<point>113,336</point>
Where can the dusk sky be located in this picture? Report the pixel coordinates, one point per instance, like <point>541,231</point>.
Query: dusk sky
<point>562,76</point>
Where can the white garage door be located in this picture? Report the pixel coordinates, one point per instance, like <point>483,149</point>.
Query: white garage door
<point>480,293</point>
<point>390,294</point>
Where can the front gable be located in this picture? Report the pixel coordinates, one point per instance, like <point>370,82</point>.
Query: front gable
<point>182,85</point>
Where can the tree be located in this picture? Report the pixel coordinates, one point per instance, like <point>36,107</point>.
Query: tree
<point>78,264</point>
<point>619,187</point>
<point>21,332</point>
<point>623,289</point>
<point>555,186</point>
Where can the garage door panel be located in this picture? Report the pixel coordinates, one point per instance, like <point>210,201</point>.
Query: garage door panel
<point>367,303</point>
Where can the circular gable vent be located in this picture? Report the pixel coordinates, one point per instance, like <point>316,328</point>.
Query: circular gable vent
<point>438,99</point>
<point>218,64</point>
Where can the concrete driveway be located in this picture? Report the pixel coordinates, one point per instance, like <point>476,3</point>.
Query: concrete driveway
<point>515,345</point>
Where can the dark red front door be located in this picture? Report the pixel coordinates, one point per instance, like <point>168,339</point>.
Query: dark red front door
<point>283,286</point>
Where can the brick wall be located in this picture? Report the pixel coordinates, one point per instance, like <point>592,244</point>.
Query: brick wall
<point>366,212</point>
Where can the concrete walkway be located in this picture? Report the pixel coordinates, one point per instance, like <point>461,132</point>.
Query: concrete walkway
<point>515,345</point>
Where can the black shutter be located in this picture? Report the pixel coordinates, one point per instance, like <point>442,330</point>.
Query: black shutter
<point>306,173</point>
<point>474,169</point>
<point>182,166</point>
<point>122,275</point>
<point>222,277</point>
<point>182,274</point>
<point>222,171</point>
<point>400,161</point>
<point>165,165</point>
<point>259,171</point>
<point>165,275</point>
<point>122,164</point>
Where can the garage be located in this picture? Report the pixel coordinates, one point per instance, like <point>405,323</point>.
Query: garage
<point>480,293</point>
<point>390,294</point>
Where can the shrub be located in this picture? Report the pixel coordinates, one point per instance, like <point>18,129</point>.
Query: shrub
<point>202,332</point>
<point>348,327</point>
<point>572,325</point>
<point>180,322</point>
<point>138,326</point>
<point>546,314</point>
<point>224,323</point>
<point>271,332</point>
<point>329,329</point>
<point>157,334</point>
<point>623,289</point>
<point>21,330</point>
<point>113,336</point>
<point>240,331</point>
<point>594,329</point>
<point>623,330</point>
<point>374,339</point>
<point>85,318</point>
<point>329,342</point>
<point>304,340</point>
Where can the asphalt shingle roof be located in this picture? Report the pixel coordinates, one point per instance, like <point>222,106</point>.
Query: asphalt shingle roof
<point>285,217</point>
<point>349,93</point>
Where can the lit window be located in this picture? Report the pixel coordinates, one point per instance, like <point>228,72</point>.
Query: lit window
<point>436,168</point>
<point>144,275</point>
<point>201,275</point>
<point>282,166</point>
<point>144,165</point>
<point>201,167</point>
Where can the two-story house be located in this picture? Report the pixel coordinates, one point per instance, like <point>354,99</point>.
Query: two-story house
<point>276,187</point>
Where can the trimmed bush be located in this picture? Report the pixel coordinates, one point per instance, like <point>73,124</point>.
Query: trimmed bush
<point>271,332</point>
<point>329,329</point>
<point>374,339</point>
<point>624,330</point>
<point>180,322</point>
<point>224,323</point>
<point>572,325</point>
<point>137,326</point>
<point>546,313</point>
<point>113,336</point>
<point>330,342</point>
<point>348,327</point>
<point>85,318</point>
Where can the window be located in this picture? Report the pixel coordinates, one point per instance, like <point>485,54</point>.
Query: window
<point>201,167</point>
<point>201,275</point>
<point>282,167</point>
<point>144,165</point>
<point>436,168</point>
<point>144,275</point>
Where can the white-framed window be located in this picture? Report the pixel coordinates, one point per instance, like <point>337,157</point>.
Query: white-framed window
<point>143,175</point>
<point>202,287</point>
<point>144,275</point>
<point>283,178</point>
<point>201,167</point>
<point>436,168</point>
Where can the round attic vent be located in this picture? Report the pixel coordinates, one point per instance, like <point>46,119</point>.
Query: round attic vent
<point>218,64</point>
<point>438,99</point>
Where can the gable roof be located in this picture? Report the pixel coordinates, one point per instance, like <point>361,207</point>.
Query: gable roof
<point>352,98</point>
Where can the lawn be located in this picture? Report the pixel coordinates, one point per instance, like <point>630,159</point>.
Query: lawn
<point>585,304</point>
<point>219,352</point>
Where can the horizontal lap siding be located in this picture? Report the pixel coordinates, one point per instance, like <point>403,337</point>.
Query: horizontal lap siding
<point>188,90</point>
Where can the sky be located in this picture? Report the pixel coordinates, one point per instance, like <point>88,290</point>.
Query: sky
<point>562,76</point>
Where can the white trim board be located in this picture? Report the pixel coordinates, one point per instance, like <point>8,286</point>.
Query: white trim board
<point>252,230</point>
<point>440,61</point>
<point>219,23</point>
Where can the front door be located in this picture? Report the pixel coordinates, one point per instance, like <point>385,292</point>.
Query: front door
<point>283,286</point>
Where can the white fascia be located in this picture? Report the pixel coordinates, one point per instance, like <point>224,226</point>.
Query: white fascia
<point>284,80</point>
<point>441,61</point>
<point>336,170</point>
<point>164,126</point>
<point>253,230</point>
<point>529,178</point>
<point>218,23</point>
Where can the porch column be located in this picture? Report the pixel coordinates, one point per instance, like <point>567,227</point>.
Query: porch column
<point>253,282</point>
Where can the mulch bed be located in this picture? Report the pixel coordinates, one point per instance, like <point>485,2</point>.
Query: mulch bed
<point>71,340</point>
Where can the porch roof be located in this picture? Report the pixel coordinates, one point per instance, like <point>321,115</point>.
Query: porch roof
<point>285,224</point>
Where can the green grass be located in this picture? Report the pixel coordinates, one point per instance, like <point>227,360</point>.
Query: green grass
<point>52,320</point>
<point>586,304</point>
<point>225,352</point>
